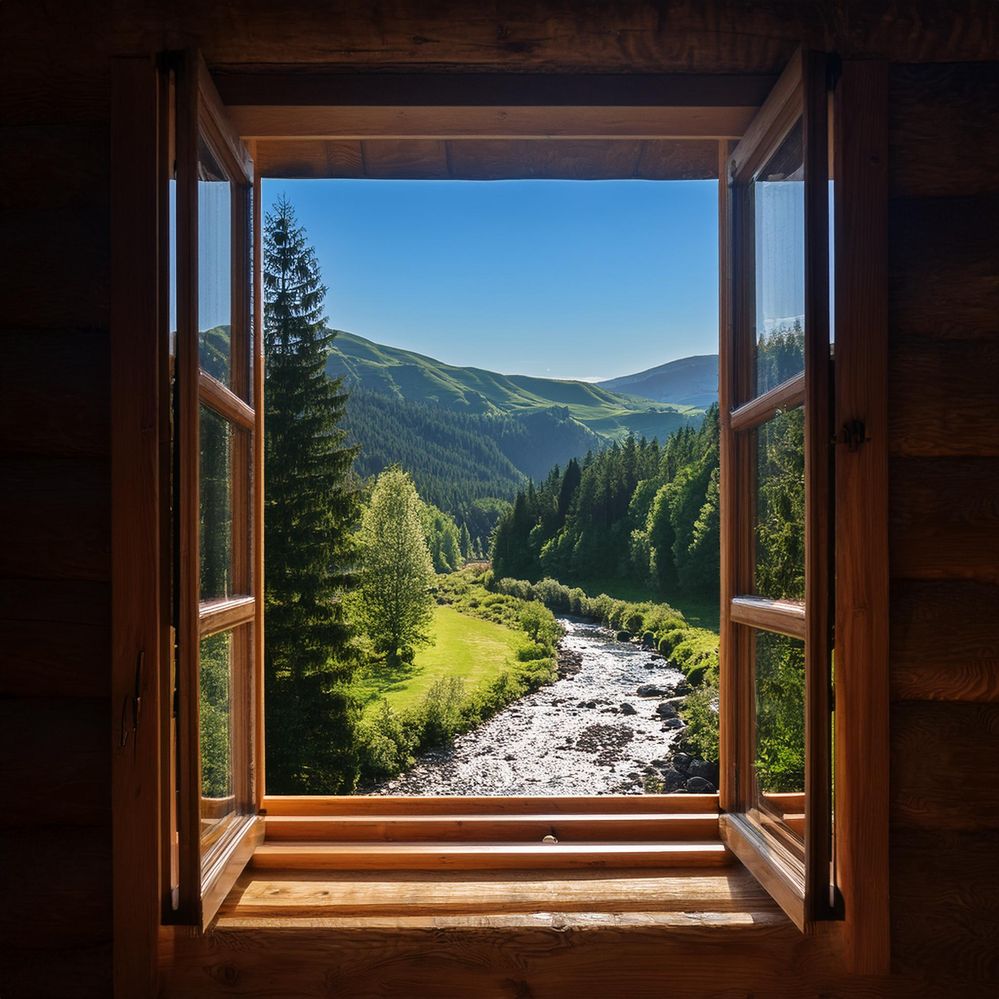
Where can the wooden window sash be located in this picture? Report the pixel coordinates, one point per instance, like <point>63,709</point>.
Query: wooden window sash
<point>787,395</point>
<point>799,884</point>
<point>207,867</point>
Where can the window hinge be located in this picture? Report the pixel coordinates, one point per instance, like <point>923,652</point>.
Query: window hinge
<point>131,707</point>
<point>853,435</point>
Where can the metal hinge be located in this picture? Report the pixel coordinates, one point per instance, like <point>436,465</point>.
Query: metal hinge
<point>853,435</point>
<point>134,703</point>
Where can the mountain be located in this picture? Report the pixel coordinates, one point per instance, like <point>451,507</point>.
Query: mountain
<point>405,375</point>
<point>471,438</point>
<point>690,381</point>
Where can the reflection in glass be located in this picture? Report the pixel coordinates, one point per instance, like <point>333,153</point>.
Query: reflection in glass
<point>217,801</point>
<point>214,267</point>
<point>216,527</point>
<point>780,722</point>
<point>780,507</point>
<point>778,199</point>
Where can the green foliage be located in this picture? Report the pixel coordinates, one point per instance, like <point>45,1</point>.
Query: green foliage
<point>700,712</point>
<point>637,510</point>
<point>395,601</point>
<point>443,538</point>
<point>215,713</point>
<point>311,508</point>
<point>780,713</point>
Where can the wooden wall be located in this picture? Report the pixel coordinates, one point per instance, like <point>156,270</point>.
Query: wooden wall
<point>55,715</point>
<point>55,838</point>
<point>944,533</point>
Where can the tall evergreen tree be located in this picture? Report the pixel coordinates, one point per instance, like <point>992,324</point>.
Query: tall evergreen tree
<point>311,507</point>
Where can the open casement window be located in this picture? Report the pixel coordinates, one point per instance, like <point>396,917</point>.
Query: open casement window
<point>776,516</point>
<point>216,431</point>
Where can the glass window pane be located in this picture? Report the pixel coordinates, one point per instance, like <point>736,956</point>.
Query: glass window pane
<point>217,571</point>
<point>214,267</point>
<point>778,200</point>
<point>779,749</point>
<point>780,507</point>
<point>216,701</point>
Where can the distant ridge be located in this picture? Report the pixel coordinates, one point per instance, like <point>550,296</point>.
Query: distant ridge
<point>689,381</point>
<point>407,376</point>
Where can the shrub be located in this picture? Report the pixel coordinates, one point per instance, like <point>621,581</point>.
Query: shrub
<point>700,712</point>
<point>532,650</point>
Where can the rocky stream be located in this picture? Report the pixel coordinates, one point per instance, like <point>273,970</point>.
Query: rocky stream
<point>605,726</point>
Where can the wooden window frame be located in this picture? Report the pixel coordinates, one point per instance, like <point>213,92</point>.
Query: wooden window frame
<point>799,880</point>
<point>142,637</point>
<point>206,867</point>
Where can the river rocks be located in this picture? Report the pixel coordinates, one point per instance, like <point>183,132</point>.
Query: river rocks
<point>624,636</point>
<point>666,710</point>
<point>681,761</point>
<point>701,768</point>
<point>698,785</point>
<point>627,709</point>
<point>673,724</point>
<point>651,690</point>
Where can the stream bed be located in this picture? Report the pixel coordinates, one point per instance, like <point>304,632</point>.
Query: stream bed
<point>590,732</point>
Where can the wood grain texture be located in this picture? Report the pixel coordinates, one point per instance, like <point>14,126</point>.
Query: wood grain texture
<point>944,641</point>
<point>138,609</point>
<point>946,935</point>
<point>56,894</point>
<point>54,390</point>
<point>944,397</point>
<point>54,762</point>
<point>862,511</point>
<point>361,805</point>
<point>938,113</point>
<point>61,508</point>
<point>53,289</point>
<point>305,894</point>
<point>304,86</point>
<point>485,856</point>
<point>945,766</point>
<point>489,159</point>
<point>69,973</point>
<point>945,518</point>
<point>553,956</point>
<point>55,638</point>
<point>504,828</point>
<point>943,278</point>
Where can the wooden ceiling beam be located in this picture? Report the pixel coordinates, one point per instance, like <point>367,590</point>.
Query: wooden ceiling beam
<point>311,87</point>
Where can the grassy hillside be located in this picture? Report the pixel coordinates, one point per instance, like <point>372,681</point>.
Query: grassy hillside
<point>405,375</point>
<point>692,381</point>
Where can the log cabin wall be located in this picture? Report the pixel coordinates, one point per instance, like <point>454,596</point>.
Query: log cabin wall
<point>55,711</point>
<point>943,378</point>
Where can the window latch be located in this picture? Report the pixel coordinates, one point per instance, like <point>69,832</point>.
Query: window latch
<point>134,703</point>
<point>853,435</point>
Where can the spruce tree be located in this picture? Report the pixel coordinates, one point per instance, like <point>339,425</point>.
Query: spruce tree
<point>311,508</point>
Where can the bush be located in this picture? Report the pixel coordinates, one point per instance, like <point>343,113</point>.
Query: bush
<point>532,650</point>
<point>700,712</point>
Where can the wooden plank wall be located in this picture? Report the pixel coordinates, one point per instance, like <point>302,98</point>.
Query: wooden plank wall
<point>944,540</point>
<point>55,835</point>
<point>55,716</point>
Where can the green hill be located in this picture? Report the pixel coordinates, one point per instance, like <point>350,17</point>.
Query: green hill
<point>405,375</point>
<point>692,381</point>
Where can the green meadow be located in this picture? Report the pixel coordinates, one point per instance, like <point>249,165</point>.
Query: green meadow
<point>475,650</point>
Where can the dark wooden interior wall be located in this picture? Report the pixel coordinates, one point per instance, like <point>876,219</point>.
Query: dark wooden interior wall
<point>55,835</point>
<point>944,533</point>
<point>55,716</point>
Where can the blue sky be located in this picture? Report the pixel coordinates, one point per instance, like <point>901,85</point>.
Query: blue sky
<point>564,279</point>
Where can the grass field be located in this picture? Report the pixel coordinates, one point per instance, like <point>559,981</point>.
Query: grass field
<point>473,649</point>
